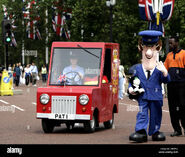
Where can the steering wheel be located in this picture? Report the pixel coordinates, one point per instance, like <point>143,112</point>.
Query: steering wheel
<point>75,75</point>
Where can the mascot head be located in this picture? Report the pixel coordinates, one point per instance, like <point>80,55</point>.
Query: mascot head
<point>149,45</point>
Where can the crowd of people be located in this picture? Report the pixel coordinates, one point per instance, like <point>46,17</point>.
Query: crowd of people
<point>27,74</point>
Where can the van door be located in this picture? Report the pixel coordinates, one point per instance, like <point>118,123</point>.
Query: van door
<point>107,97</point>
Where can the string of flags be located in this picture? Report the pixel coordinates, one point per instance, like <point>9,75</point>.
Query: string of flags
<point>59,23</point>
<point>8,17</point>
<point>32,23</point>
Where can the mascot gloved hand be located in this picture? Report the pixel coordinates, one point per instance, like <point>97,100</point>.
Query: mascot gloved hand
<point>151,75</point>
<point>135,90</point>
<point>160,66</point>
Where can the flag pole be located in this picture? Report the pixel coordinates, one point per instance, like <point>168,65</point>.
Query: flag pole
<point>23,61</point>
<point>157,6</point>
<point>47,37</point>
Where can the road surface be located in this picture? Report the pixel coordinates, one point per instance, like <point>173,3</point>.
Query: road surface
<point>18,124</point>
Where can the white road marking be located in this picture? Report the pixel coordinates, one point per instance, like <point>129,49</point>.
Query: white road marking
<point>4,102</point>
<point>34,103</point>
<point>18,108</point>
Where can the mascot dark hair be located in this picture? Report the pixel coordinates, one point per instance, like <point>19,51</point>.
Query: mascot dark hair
<point>151,74</point>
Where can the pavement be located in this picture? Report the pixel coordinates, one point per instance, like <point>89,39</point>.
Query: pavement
<point>18,124</point>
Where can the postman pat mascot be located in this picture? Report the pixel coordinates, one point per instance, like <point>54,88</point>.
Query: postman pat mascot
<point>151,74</point>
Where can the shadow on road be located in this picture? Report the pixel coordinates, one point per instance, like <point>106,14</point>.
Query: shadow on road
<point>76,130</point>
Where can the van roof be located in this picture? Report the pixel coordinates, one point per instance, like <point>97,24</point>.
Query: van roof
<point>82,44</point>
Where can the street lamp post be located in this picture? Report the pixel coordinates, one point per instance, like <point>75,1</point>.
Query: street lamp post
<point>110,4</point>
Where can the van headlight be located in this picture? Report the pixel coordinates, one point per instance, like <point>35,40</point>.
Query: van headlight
<point>83,99</point>
<point>44,99</point>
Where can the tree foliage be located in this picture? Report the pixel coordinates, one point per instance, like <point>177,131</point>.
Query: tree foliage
<point>90,23</point>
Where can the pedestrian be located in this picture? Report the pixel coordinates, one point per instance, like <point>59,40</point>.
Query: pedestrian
<point>44,74</point>
<point>14,74</point>
<point>175,64</point>
<point>17,72</point>
<point>10,74</point>
<point>30,74</point>
<point>13,67</point>
<point>1,71</point>
<point>151,75</point>
<point>9,69</point>
<point>27,74</point>
<point>21,68</point>
<point>34,73</point>
<point>122,77</point>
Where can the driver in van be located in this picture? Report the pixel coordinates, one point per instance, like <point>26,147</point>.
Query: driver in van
<point>73,73</point>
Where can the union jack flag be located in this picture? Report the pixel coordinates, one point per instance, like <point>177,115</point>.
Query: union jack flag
<point>32,23</point>
<point>14,43</point>
<point>5,12</point>
<point>148,12</point>
<point>153,26</point>
<point>146,9</point>
<point>59,23</point>
<point>167,11</point>
<point>61,79</point>
<point>10,17</point>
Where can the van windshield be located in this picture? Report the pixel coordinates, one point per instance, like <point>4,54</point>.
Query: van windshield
<point>75,66</point>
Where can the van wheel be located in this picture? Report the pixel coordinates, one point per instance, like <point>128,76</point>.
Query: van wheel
<point>108,124</point>
<point>90,126</point>
<point>47,126</point>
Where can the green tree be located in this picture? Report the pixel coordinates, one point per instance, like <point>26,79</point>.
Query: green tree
<point>127,24</point>
<point>16,9</point>
<point>176,25</point>
<point>89,23</point>
<point>1,44</point>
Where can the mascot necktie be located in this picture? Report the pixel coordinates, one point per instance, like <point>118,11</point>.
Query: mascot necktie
<point>148,74</point>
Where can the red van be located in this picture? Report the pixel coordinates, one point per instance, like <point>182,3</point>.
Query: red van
<point>82,86</point>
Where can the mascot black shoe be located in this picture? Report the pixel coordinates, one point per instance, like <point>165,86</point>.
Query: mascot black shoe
<point>158,136</point>
<point>139,136</point>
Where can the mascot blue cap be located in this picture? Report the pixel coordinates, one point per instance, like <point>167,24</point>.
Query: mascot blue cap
<point>150,37</point>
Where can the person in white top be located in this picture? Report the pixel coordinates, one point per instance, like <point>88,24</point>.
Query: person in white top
<point>34,73</point>
<point>74,73</point>
<point>122,77</point>
<point>21,68</point>
<point>44,74</point>
<point>27,74</point>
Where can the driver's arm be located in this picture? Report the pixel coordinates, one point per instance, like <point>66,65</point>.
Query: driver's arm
<point>65,71</point>
<point>81,73</point>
